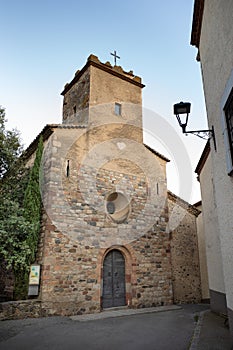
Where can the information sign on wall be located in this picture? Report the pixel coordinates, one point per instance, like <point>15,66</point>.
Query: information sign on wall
<point>34,277</point>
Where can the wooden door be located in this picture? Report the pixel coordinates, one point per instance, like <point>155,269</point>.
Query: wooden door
<point>114,280</point>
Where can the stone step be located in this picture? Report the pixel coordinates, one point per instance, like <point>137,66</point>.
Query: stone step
<point>122,312</point>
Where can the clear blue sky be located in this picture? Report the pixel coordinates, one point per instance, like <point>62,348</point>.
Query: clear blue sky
<point>43,43</point>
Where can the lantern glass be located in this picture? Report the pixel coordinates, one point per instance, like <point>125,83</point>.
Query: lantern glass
<point>182,108</point>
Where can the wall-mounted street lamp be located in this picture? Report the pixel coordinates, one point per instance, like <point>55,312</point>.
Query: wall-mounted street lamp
<point>183,108</point>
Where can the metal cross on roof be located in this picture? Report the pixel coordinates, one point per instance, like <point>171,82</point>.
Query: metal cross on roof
<point>115,56</point>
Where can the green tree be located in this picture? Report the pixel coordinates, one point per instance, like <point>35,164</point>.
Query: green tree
<point>20,207</point>
<point>32,201</point>
<point>13,179</point>
<point>10,145</point>
<point>14,228</point>
<point>30,220</point>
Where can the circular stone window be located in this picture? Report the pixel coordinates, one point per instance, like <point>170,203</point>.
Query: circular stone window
<point>117,206</point>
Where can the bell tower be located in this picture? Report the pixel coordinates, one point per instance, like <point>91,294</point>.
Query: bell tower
<point>100,92</point>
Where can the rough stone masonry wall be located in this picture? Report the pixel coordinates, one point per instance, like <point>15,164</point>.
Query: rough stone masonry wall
<point>69,282</point>
<point>184,253</point>
<point>71,275</point>
<point>153,273</point>
<point>151,278</point>
<point>73,251</point>
<point>70,253</point>
<point>76,101</point>
<point>20,309</point>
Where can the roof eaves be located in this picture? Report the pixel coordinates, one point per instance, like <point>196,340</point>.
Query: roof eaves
<point>189,207</point>
<point>203,158</point>
<point>157,153</point>
<point>46,132</point>
<point>197,22</point>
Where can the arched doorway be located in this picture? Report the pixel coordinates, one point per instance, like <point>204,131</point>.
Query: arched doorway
<point>114,280</point>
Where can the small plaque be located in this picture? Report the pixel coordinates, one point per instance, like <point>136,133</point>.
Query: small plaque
<point>34,277</point>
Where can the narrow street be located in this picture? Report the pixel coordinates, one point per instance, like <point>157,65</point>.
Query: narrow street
<point>155,330</point>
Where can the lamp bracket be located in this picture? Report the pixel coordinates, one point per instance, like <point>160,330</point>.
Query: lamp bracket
<point>184,108</point>
<point>203,134</point>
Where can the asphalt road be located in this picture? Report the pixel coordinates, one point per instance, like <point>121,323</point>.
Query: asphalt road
<point>161,331</point>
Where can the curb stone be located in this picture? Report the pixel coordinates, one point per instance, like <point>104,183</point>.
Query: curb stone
<point>197,331</point>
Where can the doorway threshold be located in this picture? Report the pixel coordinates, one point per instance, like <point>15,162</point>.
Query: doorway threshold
<point>116,308</point>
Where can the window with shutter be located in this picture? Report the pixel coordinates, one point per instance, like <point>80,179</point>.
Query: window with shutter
<point>227,122</point>
<point>228,132</point>
<point>117,108</point>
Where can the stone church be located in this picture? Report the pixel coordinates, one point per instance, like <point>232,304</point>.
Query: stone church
<point>106,238</point>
